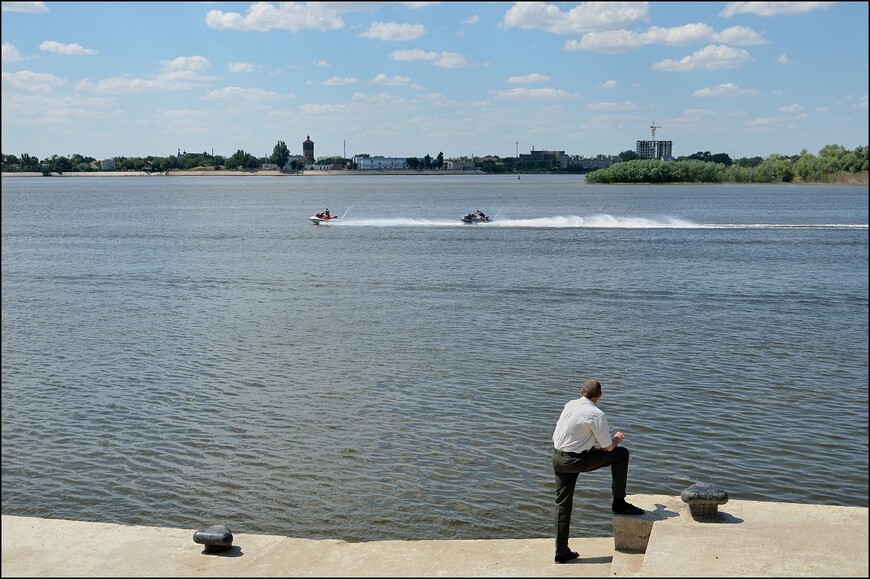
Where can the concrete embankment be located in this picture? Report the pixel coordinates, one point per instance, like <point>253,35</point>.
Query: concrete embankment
<point>747,538</point>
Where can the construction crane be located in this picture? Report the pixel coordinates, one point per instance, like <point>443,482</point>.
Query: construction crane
<point>654,127</point>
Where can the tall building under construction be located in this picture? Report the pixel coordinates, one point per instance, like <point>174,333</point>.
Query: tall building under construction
<point>653,149</point>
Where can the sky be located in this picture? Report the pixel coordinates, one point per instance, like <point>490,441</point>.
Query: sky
<point>403,79</point>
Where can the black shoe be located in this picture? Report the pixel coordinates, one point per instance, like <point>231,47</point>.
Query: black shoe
<point>565,557</point>
<point>627,509</point>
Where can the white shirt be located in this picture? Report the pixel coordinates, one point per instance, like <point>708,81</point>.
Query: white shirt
<point>580,426</point>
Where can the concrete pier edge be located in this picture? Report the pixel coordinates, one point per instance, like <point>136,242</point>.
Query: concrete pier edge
<point>747,538</point>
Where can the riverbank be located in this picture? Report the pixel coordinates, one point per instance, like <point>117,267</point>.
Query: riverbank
<point>180,173</point>
<point>843,179</point>
<point>746,538</point>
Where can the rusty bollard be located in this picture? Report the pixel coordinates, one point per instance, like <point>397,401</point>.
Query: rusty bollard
<point>704,500</point>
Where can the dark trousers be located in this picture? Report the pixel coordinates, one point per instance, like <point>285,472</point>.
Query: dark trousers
<point>567,466</point>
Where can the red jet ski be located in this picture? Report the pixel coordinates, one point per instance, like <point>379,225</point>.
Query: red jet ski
<point>322,217</point>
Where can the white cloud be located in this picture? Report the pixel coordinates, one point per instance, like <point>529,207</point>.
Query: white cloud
<point>698,113</point>
<point>10,54</point>
<point>36,82</point>
<point>381,98</point>
<point>118,85</point>
<point>534,94</point>
<point>772,8</point>
<point>237,94</point>
<point>186,68</point>
<point>394,31</point>
<point>65,49</point>
<point>621,41</point>
<point>51,110</point>
<point>585,17</point>
<point>327,110</point>
<point>440,100</point>
<point>440,59</point>
<point>757,126</point>
<point>623,106</point>
<point>31,7</point>
<point>783,59</point>
<point>528,79</point>
<point>383,79</point>
<point>184,72</point>
<point>609,84</point>
<point>242,67</point>
<point>724,90</point>
<point>708,58</point>
<point>291,16</point>
<point>322,63</point>
<point>339,81</point>
<point>472,19</point>
<point>791,109</point>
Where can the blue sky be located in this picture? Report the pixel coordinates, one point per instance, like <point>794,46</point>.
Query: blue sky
<point>106,79</point>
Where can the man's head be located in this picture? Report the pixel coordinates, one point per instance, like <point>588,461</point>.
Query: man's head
<point>591,389</point>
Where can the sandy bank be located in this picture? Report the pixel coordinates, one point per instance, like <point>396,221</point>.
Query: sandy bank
<point>180,173</point>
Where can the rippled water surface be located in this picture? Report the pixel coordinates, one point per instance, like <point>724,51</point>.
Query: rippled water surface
<point>189,351</point>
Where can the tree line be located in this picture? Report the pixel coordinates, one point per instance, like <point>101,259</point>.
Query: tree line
<point>831,163</point>
<point>834,163</point>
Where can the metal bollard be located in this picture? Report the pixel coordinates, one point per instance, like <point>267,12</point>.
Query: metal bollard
<point>704,500</point>
<point>216,538</point>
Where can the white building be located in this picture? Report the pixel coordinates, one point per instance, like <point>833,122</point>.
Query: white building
<point>379,163</point>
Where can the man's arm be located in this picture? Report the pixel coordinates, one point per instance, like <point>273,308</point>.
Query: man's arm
<point>617,438</point>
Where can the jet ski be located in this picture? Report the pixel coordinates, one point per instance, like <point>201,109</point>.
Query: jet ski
<point>476,217</point>
<point>322,217</point>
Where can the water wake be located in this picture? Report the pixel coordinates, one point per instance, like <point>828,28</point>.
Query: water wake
<point>602,221</point>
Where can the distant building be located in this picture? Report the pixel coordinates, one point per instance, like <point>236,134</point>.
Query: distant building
<point>655,150</point>
<point>558,158</point>
<point>458,165</point>
<point>308,150</point>
<point>380,163</point>
<point>107,164</point>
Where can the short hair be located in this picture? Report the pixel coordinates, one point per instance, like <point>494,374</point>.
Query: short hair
<point>591,388</point>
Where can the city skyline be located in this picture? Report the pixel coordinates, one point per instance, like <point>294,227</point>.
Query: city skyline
<point>405,79</point>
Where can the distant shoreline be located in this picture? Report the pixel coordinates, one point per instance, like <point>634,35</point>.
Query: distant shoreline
<point>182,173</point>
<point>845,179</point>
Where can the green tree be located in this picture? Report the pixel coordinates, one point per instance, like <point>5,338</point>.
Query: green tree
<point>59,164</point>
<point>242,160</point>
<point>333,161</point>
<point>775,169</point>
<point>749,162</point>
<point>29,163</point>
<point>808,167</point>
<point>11,163</point>
<point>280,154</point>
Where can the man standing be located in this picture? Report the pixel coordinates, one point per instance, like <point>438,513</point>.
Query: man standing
<point>581,426</point>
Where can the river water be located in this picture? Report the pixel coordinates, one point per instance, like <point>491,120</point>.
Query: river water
<point>186,351</point>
